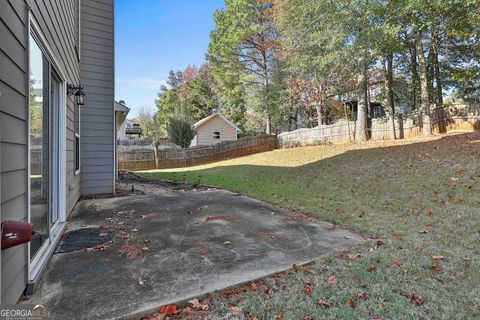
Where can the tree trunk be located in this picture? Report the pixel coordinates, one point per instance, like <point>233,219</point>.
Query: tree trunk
<point>414,70</point>
<point>362,108</point>
<point>267,93</point>
<point>389,101</point>
<point>157,161</point>
<point>436,66</point>
<point>427,129</point>
<point>269,124</point>
<point>318,106</point>
<point>295,124</point>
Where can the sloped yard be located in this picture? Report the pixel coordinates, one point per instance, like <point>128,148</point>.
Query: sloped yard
<point>420,201</point>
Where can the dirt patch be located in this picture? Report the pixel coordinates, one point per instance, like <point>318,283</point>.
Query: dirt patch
<point>226,218</point>
<point>133,251</point>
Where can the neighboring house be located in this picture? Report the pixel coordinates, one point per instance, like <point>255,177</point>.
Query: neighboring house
<point>54,146</point>
<point>121,112</point>
<point>132,129</point>
<point>377,95</point>
<point>214,129</point>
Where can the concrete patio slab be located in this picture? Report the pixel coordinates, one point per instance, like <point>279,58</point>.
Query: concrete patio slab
<point>173,246</point>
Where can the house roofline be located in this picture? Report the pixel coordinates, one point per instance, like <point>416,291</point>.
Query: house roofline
<point>206,119</point>
<point>121,107</point>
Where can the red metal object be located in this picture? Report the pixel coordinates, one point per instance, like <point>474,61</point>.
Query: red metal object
<point>15,233</point>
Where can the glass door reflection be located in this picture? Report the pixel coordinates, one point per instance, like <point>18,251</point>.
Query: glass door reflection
<point>40,164</point>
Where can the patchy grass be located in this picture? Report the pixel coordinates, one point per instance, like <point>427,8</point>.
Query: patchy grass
<point>419,200</point>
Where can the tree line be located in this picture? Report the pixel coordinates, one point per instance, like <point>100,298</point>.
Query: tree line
<point>270,61</point>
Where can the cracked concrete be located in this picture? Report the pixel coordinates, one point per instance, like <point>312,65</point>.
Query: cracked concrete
<point>188,244</point>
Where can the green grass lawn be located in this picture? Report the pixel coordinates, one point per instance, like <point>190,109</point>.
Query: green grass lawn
<point>420,199</point>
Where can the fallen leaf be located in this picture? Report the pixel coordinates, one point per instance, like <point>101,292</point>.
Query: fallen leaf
<point>351,303</point>
<point>309,289</point>
<point>141,281</point>
<point>236,310</point>
<point>168,309</point>
<point>437,258</point>
<point>363,295</point>
<point>194,304</point>
<point>269,292</point>
<point>430,214</point>
<point>467,259</point>
<point>103,234</point>
<point>309,270</point>
<point>398,235</point>
<point>324,303</point>
<point>353,256</point>
<point>398,262</point>
<point>280,316</point>
<point>416,299</point>
<point>253,286</point>
<point>332,280</point>
<point>372,268</point>
<point>436,268</point>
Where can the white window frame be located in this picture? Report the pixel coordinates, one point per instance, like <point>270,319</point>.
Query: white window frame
<point>36,265</point>
<point>215,135</point>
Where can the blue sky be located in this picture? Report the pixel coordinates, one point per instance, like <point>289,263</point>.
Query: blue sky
<point>153,37</point>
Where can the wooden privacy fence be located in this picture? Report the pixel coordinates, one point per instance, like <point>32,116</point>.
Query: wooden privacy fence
<point>444,119</point>
<point>176,158</point>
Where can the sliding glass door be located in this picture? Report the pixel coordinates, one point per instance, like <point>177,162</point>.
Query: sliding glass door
<point>45,97</point>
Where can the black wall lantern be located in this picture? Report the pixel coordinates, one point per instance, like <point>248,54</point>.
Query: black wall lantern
<point>78,92</point>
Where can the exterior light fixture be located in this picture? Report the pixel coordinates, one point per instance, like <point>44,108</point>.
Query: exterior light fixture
<point>77,91</point>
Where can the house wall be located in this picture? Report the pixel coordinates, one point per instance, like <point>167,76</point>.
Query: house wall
<point>57,22</point>
<point>205,132</point>
<point>121,127</point>
<point>98,125</point>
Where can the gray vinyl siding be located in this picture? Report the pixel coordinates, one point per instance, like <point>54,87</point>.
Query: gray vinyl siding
<point>57,24</point>
<point>97,65</point>
<point>13,124</point>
